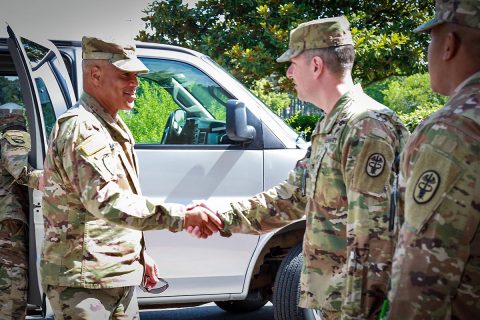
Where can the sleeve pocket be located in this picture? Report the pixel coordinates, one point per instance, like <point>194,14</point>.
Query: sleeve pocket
<point>432,177</point>
<point>372,167</point>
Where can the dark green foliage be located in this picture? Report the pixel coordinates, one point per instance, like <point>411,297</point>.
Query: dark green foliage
<point>152,108</point>
<point>411,97</point>
<point>246,36</point>
<point>303,124</point>
<point>10,91</point>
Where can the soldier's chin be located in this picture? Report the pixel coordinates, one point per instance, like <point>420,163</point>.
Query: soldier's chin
<point>129,105</point>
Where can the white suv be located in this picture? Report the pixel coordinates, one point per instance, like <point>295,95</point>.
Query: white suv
<point>208,137</point>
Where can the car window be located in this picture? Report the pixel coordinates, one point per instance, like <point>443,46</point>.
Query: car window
<point>45,70</point>
<point>10,91</point>
<point>177,104</point>
<point>46,105</point>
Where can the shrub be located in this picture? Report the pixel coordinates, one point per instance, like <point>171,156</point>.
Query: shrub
<point>411,97</point>
<point>152,108</point>
<point>303,124</point>
<point>274,100</point>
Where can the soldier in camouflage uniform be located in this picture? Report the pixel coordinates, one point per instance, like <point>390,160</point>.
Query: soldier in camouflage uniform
<point>93,250</point>
<point>343,186</point>
<point>14,172</point>
<point>436,269</point>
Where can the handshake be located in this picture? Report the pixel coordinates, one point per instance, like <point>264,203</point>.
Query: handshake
<point>201,220</point>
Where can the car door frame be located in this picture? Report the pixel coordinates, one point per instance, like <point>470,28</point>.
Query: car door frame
<point>36,125</point>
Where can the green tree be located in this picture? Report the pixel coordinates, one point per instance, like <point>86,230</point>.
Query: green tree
<point>275,101</point>
<point>407,94</point>
<point>246,36</point>
<point>152,108</point>
<point>412,98</point>
<point>10,90</point>
<point>303,124</point>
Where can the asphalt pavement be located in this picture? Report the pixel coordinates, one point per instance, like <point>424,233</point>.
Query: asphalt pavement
<point>206,312</point>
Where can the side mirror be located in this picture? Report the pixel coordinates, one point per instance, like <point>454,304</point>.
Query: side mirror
<point>237,127</point>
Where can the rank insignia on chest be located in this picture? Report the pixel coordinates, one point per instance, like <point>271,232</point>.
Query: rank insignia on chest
<point>375,165</point>
<point>426,186</point>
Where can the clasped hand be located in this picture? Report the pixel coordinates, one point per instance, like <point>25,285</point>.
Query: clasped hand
<point>201,221</point>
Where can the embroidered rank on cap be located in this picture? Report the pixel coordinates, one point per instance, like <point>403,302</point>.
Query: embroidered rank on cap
<point>92,146</point>
<point>375,165</point>
<point>426,186</point>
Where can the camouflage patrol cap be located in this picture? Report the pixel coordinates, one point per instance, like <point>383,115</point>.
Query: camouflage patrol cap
<point>122,56</point>
<point>11,115</point>
<point>463,12</point>
<point>316,34</point>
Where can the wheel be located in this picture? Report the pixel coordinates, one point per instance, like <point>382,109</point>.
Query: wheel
<point>286,291</point>
<point>252,302</point>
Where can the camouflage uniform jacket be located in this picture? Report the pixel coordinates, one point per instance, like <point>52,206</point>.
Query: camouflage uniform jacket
<point>92,206</point>
<point>347,245</point>
<point>14,170</point>
<point>436,270</point>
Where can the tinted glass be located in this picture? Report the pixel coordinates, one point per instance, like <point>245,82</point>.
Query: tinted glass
<point>35,52</point>
<point>47,106</point>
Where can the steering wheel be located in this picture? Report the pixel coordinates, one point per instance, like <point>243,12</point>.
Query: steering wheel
<point>173,127</point>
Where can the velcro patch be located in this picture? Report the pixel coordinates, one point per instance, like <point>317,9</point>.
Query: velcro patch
<point>17,138</point>
<point>92,145</point>
<point>373,165</point>
<point>432,176</point>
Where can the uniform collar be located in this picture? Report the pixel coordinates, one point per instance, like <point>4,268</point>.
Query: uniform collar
<point>329,121</point>
<point>473,79</point>
<point>116,123</point>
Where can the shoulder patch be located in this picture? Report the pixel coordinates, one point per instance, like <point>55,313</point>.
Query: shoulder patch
<point>371,167</point>
<point>433,175</point>
<point>426,186</point>
<point>375,165</point>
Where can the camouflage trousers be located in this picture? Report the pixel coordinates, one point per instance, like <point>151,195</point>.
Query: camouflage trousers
<point>13,292</point>
<point>93,304</point>
<point>13,273</point>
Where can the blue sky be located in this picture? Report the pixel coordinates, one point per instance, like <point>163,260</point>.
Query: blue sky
<point>72,19</point>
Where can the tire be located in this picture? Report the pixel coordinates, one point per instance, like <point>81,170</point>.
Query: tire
<point>252,302</point>
<point>286,291</point>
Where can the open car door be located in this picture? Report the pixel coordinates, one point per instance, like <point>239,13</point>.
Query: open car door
<point>47,93</point>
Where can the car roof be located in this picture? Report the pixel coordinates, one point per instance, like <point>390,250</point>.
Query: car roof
<point>139,44</point>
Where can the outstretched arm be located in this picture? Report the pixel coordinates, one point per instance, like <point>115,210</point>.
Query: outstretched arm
<point>15,146</point>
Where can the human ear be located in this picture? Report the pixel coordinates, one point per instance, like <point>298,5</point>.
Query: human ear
<point>94,75</point>
<point>317,65</point>
<point>451,46</point>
